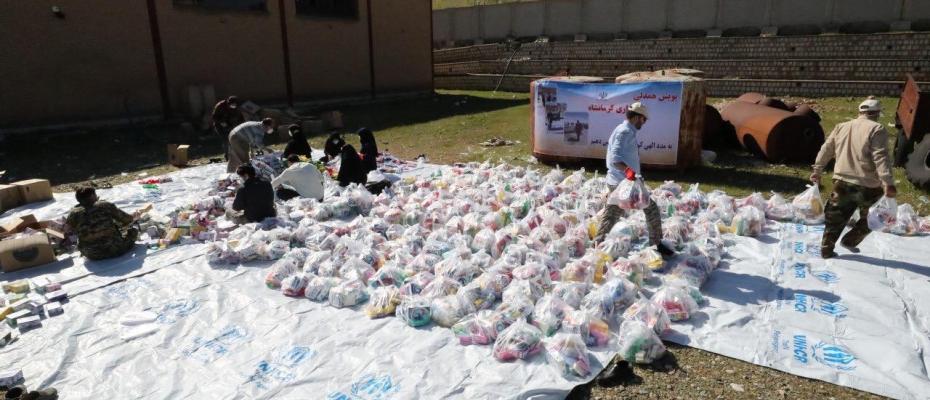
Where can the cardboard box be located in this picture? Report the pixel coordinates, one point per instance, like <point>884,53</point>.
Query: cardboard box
<point>34,190</point>
<point>177,154</point>
<point>53,309</point>
<point>30,251</point>
<point>28,323</point>
<point>10,197</point>
<point>20,286</point>
<point>18,224</point>
<point>57,295</point>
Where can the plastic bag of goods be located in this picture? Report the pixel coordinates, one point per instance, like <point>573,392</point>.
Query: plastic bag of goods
<point>383,302</point>
<point>615,247</point>
<point>416,283</point>
<point>277,249</point>
<point>650,258</point>
<point>778,209</point>
<point>645,311</point>
<point>318,288</point>
<point>440,286</point>
<point>448,310</point>
<point>748,221</point>
<point>753,200</point>
<point>907,222</point>
<point>535,272</point>
<point>548,314</point>
<point>581,271</point>
<point>677,302</point>
<point>693,291</point>
<point>348,294</point>
<point>519,341</point>
<point>414,311</point>
<point>924,226</point>
<point>691,201</point>
<point>639,343</point>
<point>501,239</point>
<point>883,214</point>
<point>633,270</point>
<point>280,270</point>
<point>572,293</point>
<point>356,269</point>
<point>630,195</point>
<point>592,329</point>
<point>522,288</point>
<point>459,270</point>
<point>483,241</point>
<point>295,285</point>
<point>692,269</point>
<point>568,352</point>
<point>493,282</point>
<point>388,275</point>
<point>478,297</point>
<point>476,328</point>
<point>808,206</point>
<point>614,295</point>
<point>671,187</point>
<point>509,312</point>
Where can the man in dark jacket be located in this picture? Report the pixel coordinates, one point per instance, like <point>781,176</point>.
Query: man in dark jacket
<point>103,230</point>
<point>369,149</point>
<point>256,197</point>
<point>226,116</point>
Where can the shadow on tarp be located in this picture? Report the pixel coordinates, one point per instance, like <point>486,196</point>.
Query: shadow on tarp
<point>113,267</point>
<point>744,289</point>
<point>883,263</point>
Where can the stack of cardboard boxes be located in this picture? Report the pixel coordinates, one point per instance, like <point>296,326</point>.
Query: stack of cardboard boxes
<point>17,251</point>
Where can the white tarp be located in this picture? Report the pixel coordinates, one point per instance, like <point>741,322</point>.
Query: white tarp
<point>169,325</point>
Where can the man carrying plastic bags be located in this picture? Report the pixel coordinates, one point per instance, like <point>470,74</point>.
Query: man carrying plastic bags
<point>861,172</point>
<point>623,164</point>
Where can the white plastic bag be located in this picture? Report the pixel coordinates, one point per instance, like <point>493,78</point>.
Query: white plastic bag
<point>639,343</point>
<point>808,206</point>
<point>630,195</point>
<point>568,352</point>
<point>883,214</point>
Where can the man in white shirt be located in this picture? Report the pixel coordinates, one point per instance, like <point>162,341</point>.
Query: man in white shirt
<point>299,179</point>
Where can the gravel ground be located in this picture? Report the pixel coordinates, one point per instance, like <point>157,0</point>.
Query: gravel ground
<point>689,373</point>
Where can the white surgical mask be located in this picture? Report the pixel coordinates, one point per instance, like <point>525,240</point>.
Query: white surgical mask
<point>269,131</point>
<point>233,106</point>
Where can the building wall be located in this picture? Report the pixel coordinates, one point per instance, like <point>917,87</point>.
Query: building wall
<point>237,52</point>
<point>403,55</point>
<point>95,65</point>
<point>329,57</point>
<point>77,67</point>
<point>633,16</point>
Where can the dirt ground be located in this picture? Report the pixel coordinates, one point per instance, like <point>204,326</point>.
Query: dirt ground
<point>455,123</point>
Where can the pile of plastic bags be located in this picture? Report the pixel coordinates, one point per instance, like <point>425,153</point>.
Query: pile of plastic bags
<point>504,257</point>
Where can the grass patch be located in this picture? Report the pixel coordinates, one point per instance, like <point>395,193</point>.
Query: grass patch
<point>447,128</point>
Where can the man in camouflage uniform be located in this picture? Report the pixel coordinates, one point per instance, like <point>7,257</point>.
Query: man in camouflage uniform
<point>861,175</point>
<point>103,230</point>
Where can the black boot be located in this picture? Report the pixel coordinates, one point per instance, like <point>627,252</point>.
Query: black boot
<point>664,250</point>
<point>616,373</point>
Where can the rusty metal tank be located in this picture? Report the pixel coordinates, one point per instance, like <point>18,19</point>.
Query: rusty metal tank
<point>776,135</point>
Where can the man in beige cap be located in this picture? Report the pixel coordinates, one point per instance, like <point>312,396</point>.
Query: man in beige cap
<point>623,163</point>
<point>861,175</point>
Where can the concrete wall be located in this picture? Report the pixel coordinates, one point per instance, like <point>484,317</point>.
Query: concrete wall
<point>96,64</point>
<point>569,17</point>
<point>66,69</point>
<point>496,21</point>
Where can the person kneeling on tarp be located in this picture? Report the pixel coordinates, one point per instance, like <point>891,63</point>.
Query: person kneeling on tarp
<point>256,197</point>
<point>103,230</point>
<point>298,144</point>
<point>299,179</point>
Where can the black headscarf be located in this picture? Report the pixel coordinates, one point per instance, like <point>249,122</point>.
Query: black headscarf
<point>298,144</point>
<point>351,168</point>
<point>369,149</point>
<point>333,146</point>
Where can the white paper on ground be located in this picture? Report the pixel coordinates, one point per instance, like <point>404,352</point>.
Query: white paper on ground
<point>858,321</point>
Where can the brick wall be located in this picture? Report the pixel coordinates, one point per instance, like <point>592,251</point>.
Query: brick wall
<point>715,87</point>
<point>911,45</point>
<point>855,70</point>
